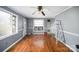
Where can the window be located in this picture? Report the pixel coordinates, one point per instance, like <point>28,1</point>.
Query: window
<point>38,25</point>
<point>7,23</point>
<point>13,20</point>
<point>38,22</point>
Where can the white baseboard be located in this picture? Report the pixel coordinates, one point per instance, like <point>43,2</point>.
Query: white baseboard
<point>66,45</point>
<point>38,33</point>
<point>13,44</point>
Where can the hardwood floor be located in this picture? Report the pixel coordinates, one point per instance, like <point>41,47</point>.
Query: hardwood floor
<point>39,43</point>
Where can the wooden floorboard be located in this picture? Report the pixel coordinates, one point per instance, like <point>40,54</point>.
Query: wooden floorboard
<point>39,43</point>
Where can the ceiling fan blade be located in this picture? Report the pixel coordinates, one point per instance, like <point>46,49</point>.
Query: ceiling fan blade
<point>43,13</point>
<point>34,12</point>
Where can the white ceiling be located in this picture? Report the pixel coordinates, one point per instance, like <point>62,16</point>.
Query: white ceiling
<point>50,11</point>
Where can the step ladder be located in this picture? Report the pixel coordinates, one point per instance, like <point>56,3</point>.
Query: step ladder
<point>59,29</point>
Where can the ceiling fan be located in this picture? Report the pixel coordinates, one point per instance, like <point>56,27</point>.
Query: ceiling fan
<point>39,9</point>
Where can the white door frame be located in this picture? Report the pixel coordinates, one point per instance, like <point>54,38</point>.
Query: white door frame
<point>24,26</point>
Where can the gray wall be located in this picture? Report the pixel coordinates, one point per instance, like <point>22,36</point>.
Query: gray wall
<point>49,25</point>
<point>70,22</point>
<point>29,26</point>
<point>26,25</point>
<point>46,27</point>
<point>70,19</point>
<point>6,42</point>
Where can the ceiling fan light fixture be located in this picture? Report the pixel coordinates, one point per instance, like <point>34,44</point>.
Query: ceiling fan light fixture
<point>40,9</point>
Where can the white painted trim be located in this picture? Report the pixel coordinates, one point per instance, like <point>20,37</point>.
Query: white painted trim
<point>13,44</point>
<point>66,45</point>
<point>4,10</point>
<point>5,36</point>
<point>74,34</point>
<point>64,10</point>
<point>38,32</point>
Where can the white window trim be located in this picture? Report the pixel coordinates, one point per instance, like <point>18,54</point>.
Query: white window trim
<point>8,35</point>
<point>34,26</point>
